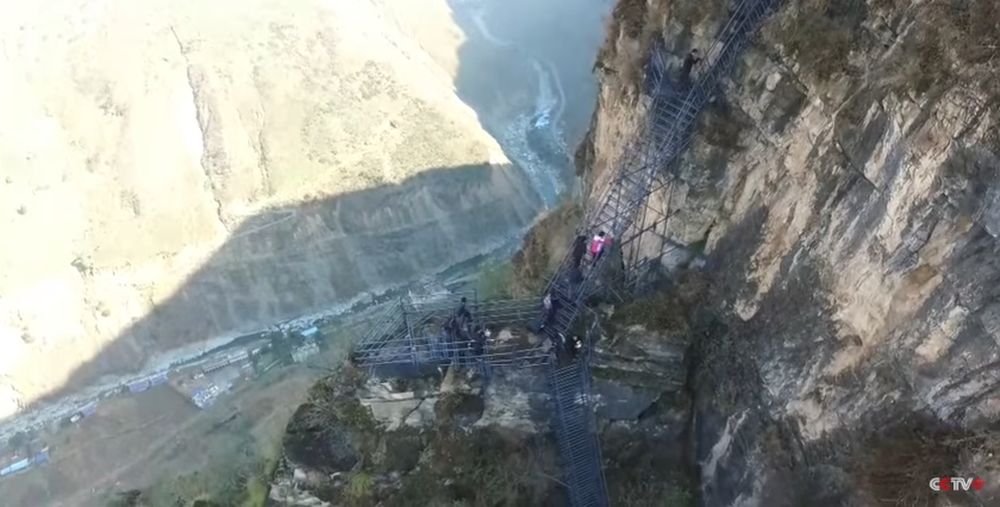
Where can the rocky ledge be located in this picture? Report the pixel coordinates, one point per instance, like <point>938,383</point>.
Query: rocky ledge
<point>455,438</point>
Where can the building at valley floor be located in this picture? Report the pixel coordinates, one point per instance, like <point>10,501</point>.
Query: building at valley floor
<point>17,463</point>
<point>203,384</point>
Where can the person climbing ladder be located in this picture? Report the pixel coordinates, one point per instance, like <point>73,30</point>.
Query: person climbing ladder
<point>692,59</point>
<point>463,314</point>
<point>598,245</point>
<point>550,305</point>
<point>479,342</point>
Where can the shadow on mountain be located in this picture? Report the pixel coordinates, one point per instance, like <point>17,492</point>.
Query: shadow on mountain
<point>288,262</point>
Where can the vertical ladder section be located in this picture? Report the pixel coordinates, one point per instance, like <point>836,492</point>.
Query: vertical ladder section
<point>576,433</point>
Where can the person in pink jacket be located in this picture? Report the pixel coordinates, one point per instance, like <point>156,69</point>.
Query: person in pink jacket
<point>598,245</point>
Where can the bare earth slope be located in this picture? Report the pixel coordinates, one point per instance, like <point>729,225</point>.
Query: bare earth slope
<point>138,138</point>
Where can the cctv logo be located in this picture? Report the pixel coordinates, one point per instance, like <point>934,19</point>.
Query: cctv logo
<point>957,483</point>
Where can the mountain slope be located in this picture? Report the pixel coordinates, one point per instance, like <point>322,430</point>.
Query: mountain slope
<point>161,151</point>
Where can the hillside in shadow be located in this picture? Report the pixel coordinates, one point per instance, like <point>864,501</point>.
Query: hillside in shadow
<point>294,261</point>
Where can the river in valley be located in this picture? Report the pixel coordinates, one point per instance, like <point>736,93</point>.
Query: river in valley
<point>525,68</point>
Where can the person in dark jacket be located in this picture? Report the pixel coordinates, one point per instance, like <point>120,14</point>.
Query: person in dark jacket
<point>559,347</point>
<point>567,348</point>
<point>463,313</point>
<point>579,250</point>
<point>690,61</point>
<point>479,343</point>
<point>573,279</point>
<point>551,305</point>
<point>573,346</point>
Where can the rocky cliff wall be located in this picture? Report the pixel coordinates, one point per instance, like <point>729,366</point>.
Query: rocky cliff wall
<point>844,188</point>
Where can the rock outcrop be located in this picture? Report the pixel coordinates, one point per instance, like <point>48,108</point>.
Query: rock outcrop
<point>419,441</point>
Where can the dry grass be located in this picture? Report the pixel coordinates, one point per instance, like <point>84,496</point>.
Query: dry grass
<point>629,16</point>
<point>239,476</point>
<point>694,13</point>
<point>895,467</point>
<point>667,310</point>
<point>818,34</point>
<point>542,249</point>
<point>951,41</point>
<point>479,468</point>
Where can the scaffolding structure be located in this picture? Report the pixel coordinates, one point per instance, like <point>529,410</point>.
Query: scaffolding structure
<point>415,335</point>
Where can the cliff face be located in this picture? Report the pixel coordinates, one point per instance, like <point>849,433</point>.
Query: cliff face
<point>175,172</point>
<point>845,189</point>
<point>435,440</point>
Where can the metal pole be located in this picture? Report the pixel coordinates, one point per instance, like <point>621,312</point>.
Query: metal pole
<point>637,249</point>
<point>409,333</point>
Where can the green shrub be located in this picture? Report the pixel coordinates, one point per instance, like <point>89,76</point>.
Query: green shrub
<point>355,415</point>
<point>420,487</point>
<point>129,498</point>
<point>655,491</point>
<point>678,496</point>
<point>256,493</point>
<point>495,281</point>
<point>477,468</point>
<point>359,488</point>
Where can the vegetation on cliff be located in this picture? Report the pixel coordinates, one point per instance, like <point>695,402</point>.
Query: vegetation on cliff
<point>337,450</point>
<point>950,42</point>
